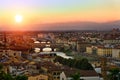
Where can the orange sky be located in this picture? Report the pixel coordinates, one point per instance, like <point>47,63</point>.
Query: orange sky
<point>53,11</point>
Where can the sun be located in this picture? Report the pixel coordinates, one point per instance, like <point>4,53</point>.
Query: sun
<point>18,18</point>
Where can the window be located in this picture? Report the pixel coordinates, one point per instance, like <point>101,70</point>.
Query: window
<point>54,73</point>
<point>57,73</point>
<point>14,54</point>
<point>58,77</point>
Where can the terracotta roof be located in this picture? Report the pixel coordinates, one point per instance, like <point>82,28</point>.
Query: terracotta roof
<point>83,73</point>
<point>117,47</point>
<point>88,73</point>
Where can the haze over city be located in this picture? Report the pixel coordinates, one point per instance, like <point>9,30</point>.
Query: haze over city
<point>59,14</point>
<point>59,39</point>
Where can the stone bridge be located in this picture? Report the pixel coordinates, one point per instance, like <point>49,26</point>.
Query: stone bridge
<point>44,45</point>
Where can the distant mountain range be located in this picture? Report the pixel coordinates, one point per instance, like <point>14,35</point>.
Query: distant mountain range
<point>79,26</point>
<point>74,26</point>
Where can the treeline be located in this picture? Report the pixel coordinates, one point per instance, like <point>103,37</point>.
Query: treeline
<point>82,64</point>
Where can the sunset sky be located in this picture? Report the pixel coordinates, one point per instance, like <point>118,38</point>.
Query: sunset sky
<point>54,11</point>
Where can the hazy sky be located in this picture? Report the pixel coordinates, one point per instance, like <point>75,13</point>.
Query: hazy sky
<point>52,11</point>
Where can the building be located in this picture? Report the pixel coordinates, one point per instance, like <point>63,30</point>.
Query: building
<point>52,70</point>
<point>100,50</point>
<point>11,53</point>
<point>89,50</point>
<point>81,46</point>
<point>116,52</point>
<point>104,51</point>
<point>111,41</point>
<point>38,77</point>
<point>84,74</point>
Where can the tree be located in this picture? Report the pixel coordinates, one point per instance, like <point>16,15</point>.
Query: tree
<point>76,76</point>
<point>8,77</point>
<point>113,73</point>
<point>2,74</point>
<point>76,63</point>
<point>22,77</point>
<point>1,67</point>
<point>71,62</point>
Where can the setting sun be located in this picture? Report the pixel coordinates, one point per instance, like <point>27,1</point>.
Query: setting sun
<point>18,18</point>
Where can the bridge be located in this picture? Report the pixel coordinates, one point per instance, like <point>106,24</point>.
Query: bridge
<point>53,46</point>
